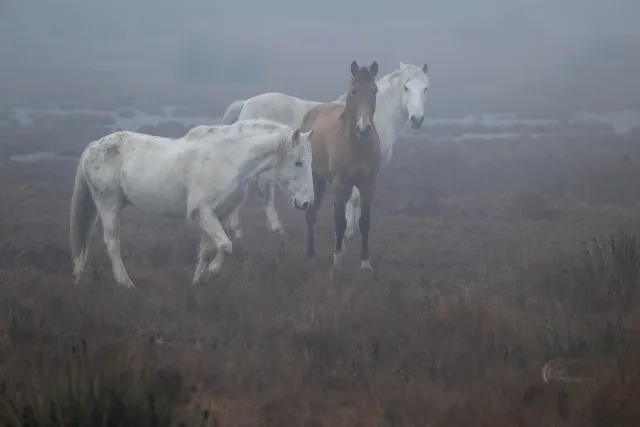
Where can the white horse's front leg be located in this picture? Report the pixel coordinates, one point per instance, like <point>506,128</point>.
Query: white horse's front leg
<point>206,247</point>
<point>353,213</point>
<point>211,226</point>
<point>266,191</point>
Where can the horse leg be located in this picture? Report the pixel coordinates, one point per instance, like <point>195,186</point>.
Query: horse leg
<point>366,196</point>
<point>211,226</point>
<point>206,247</point>
<point>353,213</point>
<point>233,221</point>
<point>341,193</point>
<point>266,192</point>
<point>319,185</point>
<point>234,224</point>
<point>110,217</point>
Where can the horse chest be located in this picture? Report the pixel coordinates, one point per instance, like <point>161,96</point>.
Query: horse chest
<point>362,170</point>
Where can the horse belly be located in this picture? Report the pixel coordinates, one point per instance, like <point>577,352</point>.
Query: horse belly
<point>155,192</point>
<point>167,201</point>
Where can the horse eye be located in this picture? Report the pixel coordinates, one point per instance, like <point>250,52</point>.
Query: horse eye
<point>406,89</point>
<point>425,89</point>
<point>299,164</point>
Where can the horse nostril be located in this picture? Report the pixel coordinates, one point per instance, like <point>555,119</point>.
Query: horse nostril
<point>417,121</point>
<point>305,205</point>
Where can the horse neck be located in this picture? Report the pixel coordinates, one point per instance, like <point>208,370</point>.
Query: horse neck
<point>263,155</point>
<point>390,115</point>
<point>349,118</point>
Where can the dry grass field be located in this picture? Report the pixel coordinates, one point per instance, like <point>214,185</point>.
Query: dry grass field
<point>492,259</point>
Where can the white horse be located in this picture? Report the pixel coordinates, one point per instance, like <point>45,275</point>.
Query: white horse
<point>202,177</point>
<point>401,98</point>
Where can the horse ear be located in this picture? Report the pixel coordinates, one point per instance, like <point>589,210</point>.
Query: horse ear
<point>402,64</point>
<point>310,134</point>
<point>296,136</point>
<point>425,68</point>
<point>373,68</point>
<point>354,68</point>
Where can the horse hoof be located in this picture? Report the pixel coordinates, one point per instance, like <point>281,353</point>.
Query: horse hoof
<point>366,265</point>
<point>128,284</point>
<point>214,267</point>
<point>337,260</point>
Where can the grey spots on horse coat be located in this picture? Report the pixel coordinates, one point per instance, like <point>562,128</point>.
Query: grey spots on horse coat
<point>112,150</point>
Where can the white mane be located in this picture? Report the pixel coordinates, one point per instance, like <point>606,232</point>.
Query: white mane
<point>238,128</point>
<point>242,129</point>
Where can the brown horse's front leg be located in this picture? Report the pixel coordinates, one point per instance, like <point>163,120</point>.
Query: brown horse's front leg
<point>341,192</point>
<point>366,196</point>
<point>319,185</point>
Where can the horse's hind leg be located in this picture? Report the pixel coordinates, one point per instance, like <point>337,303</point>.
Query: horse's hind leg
<point>234,224</point>
<point>353,213</point>
<point>233,221</point>
<point>319,185</point>
<point>110,216</point>
<point>266,193</point>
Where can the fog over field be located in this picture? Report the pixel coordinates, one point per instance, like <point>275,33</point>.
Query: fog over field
<point>528,56</point>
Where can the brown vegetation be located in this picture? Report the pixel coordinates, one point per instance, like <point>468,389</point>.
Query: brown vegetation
<point>481,279</point>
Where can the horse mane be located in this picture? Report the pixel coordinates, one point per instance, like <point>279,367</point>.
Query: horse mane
<point>284,146</point>
<point>265,125</point>
<point>259,124</point>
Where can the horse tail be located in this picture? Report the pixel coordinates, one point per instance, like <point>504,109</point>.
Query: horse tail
<point>232,113</point>
<point>82,220</point>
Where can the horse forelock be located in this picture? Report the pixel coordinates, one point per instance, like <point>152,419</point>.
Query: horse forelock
<point>363,76</point>
<point>399,76</point>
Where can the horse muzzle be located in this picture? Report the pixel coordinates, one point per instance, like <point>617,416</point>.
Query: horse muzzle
<point>364,131</point>
<point>416,122</point>
<point>301,205</point>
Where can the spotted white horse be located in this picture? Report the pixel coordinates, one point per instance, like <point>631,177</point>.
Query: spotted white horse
<point>401,98</point>
<point>202,177</point>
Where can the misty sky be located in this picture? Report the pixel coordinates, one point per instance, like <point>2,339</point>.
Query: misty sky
<point>474,49</point>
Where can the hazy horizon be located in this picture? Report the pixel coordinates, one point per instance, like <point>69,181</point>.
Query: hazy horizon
<point>516,55</point>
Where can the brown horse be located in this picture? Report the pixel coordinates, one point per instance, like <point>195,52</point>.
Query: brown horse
<point>346,153</point>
